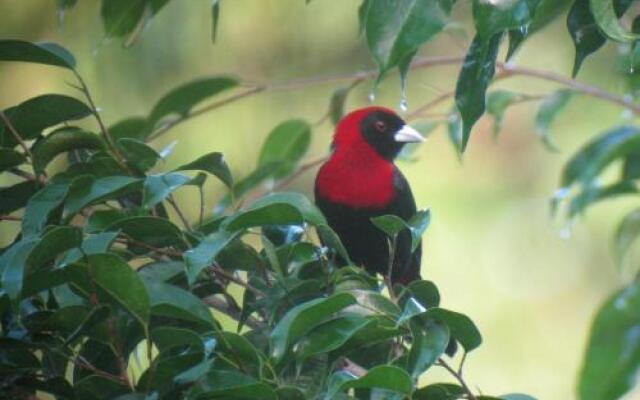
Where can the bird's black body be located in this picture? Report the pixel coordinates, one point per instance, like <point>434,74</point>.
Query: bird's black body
<point>366,244</point>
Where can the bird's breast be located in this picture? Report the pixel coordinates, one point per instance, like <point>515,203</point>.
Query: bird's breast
<point>356,184</point>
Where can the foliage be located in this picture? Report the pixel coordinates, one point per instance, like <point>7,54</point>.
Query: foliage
<point>110,292</point>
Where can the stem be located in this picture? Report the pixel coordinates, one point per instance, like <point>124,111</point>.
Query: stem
<point>219,271</point>
<point>458,377</point>
<point>9,218</point>
<point>25,175</point>
<point>103,129</point>
<point>16,135</point>
<point>184,220</point>
<point>223,307</point>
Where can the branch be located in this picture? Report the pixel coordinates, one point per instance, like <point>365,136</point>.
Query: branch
<point>458,376</point>
<point>304,167</point>
<point>222,306</point>
<point>9,218</point>
<point>16,135</point>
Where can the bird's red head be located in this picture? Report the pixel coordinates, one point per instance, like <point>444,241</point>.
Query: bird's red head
<point>360,170</point>
<point>378,127</point>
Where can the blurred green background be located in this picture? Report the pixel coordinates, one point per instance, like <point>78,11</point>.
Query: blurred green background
<point>492,248</point>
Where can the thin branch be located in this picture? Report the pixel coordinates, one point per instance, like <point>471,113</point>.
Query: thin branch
<point>219,271</point>
<point>458,377</point>
<point>222,306</point>
<point>301,170</point>
<point>184,220</point>
<point>23,174</point>
<point>16,135</point>
<point>103,129</point>
<point>9,218</point>
<point>164,128</point>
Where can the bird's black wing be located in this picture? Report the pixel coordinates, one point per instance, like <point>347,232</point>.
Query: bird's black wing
<point>406,263</point>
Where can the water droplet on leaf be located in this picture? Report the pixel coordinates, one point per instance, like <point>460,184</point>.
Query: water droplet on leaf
<point>372,96</point>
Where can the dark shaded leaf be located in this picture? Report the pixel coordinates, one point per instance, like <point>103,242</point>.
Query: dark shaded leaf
<point>383,377</point>
<point>15,197</point>
<point>154,231</point>
<point>182,99</point>
<point>212,163</point>
<point>491,18</point>
<point>613,354</point>
<point>31,117</point>
<point>301,319</point>
<point>461,327</point>
<point>41,53</point>
<point>93,244</point>
<point>476,74</point>
<point>60,141</point>
<point>215,16</point>
<point>40,206</point>
<point>86,191</point>
<point>138,153</point>
<point>328,336</point>
<point>231,385</point>
<point>430,341</point>
<point>171,301</point>
<point>133,128</point>
<point>10,158</point>
<point>55,241</point>
<point>309,211</point>
<point>439,391</point>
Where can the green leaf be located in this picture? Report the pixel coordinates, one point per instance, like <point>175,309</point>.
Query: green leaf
<point>60,141</point>
<point>309,211</point>
<point>395,29</point>
<point>154,231</point>
<point>171,301</point>
<point>162,271</point>
<point>41,205</point>
<point>215,16</point>
<point>474,79</point>
<point>461,327</point>
<point>212,163</point>
<point>202,255</point>
<point>287,143</point>
<point>118,280</point>
<point>391,225</point>
<point>15,197</point>
<point>128,17</point>
<point>10,158</point>
<point>41,53</point>
<point>328,336</point>
<point>439,391</point>
<point>584,31</point>
<point>138,153</point>
<point>93,244</point>
<point>605,14</point>
<point>597,154</point>
<point>626,234</point>
<point>492,18</point>
<point>299,320</point>
<point>55,241</point>
<point>231,385</point>
<point>31,117</point>
<point>425,292</point>
<point>596,193</point>
<point>13,263</point>
<point>86,191</point>
<point>497,103</point>
<point>612,358</point>
<point>517,396</point>
<point>269,214</point>
<point>158,187</point>
<point>182,99</point>
<point>331,239</point>
<point>382,376</point>
<point>167,337</point>
<point>549,109</point>
<point>133,128</point>
<point>430,341</point>
<point>454,130</point>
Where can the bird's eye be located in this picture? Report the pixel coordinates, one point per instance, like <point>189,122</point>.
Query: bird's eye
<point>381,126</point>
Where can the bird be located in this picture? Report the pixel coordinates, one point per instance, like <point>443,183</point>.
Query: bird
<point>360,181</point>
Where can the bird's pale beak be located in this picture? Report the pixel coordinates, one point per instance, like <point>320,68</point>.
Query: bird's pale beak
<point>407,134</point>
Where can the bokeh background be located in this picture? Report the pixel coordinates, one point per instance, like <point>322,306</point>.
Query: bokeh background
<point>532,286</point>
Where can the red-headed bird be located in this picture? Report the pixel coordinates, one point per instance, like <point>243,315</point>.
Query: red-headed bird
<point>360,181</point>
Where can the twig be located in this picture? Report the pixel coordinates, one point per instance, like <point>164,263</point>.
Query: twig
<point>458,377</point>
<point>301,170</point>
<point>219,271</point>
<point>103,129</point>
<point>128,241</point>
<point>164,128</point>
<point>184,220</point>
<point>9,218</point>
<point>16,135</point>
<point>223,307</point>
<point>23,174</point>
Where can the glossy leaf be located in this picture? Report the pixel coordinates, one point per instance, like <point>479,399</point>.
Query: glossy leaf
<point>128,17</point>
<point>613,355</point>
<point>181,100</point>
<point>60,141</point>
<point>269,214</point>
<point>439,391</point>
<point>461,327</point>
<point>301,319</point>
<point>328,336</point>
<point>170,301</point>
<point>391,225</point>
<point>10,158</point>
<point>309,211</point>
<point>86,191</point>
<point>287,143</point>
<point>55,241</point>
<point>158,187</point>
<point>138,153</point>
<point>605,15</point>
<point>213,163</point>
<point>31,117</point>
<point>383,377</point>
<point>582,26</point>
<point>14,264</point>
<point>430,341</point>
<point>598,153</point>
<point>549,109</point>
<point>41,53</point>
<point>93,244</point>
<point>395,30</point>
<point>476,74</point>
<point>133,128</point>
<point>202,255</point>
<point>492,18</point>
<point>154,231</point>
<point>332,240</point>
<point>41,205</point>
